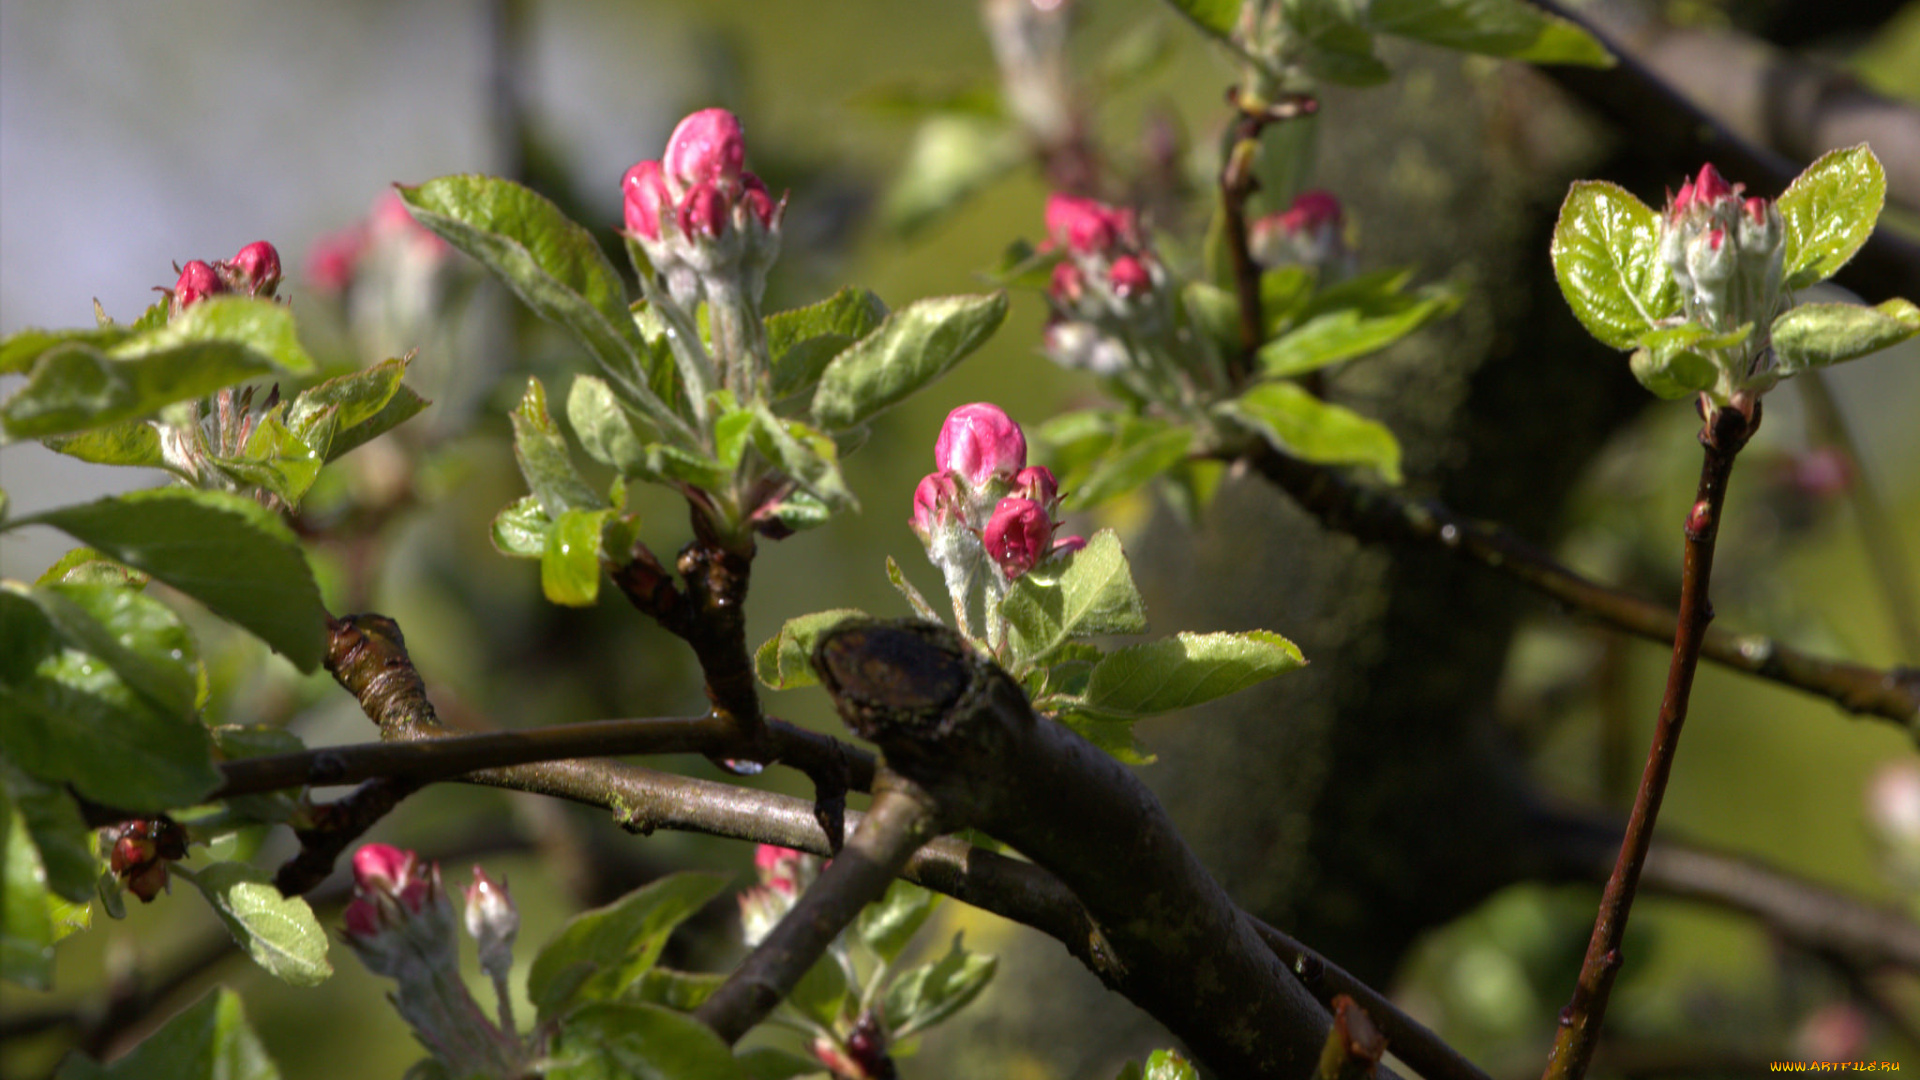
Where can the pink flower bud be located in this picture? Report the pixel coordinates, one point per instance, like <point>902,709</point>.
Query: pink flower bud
<point>1068,283</point>
<point>936,501</point>
<point>1036,482</point>
<point>1067,545</point>
<point>258,267</point>
<point>979,442</point>
<point>1704,191</point>
<point>646,192</point>
<point>704,210</point>
<point>1756,210</point>
<point>706,146</point>
<point>1017,536</point>
<point>149,881</point>
<point>1312,210</point>
<point>783,870</point>
<point>492,921</point>
<point>1129,277</point>
<point>362,918</point>
<point>756,199</point>
<point>197,282</point>
<point>1087,226</point>
<point>382,868</point>
<point>332,259</point>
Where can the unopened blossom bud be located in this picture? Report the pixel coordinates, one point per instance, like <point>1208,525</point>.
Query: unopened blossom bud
<point>1017,536</point>
<point>257,268</point>
<point>1086,226</point>
<point>1068,284</point>
<point>492,921</point>
<point>197,282</point>
<point>1129,277</point>
<point>937,506</point>
<point>138,853</point>
<point>1710,264</point>
<point>755,197</point>
<point>704,211</point>
<point>1036,482</point>
<point>979,442</point>
<point>1308,232</point>
<point>784,870</point>
<point>382,868</point>
<point>1067,545</point>
<point>646,193</point>
<point>707,145</point>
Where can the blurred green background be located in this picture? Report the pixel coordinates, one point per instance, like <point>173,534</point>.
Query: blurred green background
<point>134,134</point>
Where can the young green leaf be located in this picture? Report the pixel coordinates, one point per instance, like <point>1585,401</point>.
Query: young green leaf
<point>770,1063</point>
<point>18,352</point>
<point>928,994</point>
<point>1169,1065</point>
<point>1367,325</point>
<point>599,953</point>
<point>803,453</point>
<point>570,563</point>
<point>1506,28</point>
<point>821,993</point>
<point>1142,450</point>
<point>522,529</point>
<point>128,442</point>
<point>74,717</point>
<point>274,460</point>
<point>265,327</point>
<point>1216,17</point>
<point>209,1041</point>
<point>75,386</point>
<point>785,661</point>
<point>621,1041</point>
<point>1830,210</point>
<point>228,552</point>
<point>1114,737</point>
<point>342,413</point>
<point>1606,257</point>
<point>1332,44</point>
<point>911,348</point>
<point>546,464</point>
<point>26,922</point>
<point>1816,335</point>
<point>803,341</point>
<point>1184,670</point>
<point>1297,423</point>
<point>889,923</point>
<point>279,932</point>
<point>681,991</point>
<point>1086,593</point>
<point>1673,362</point>
<point>604,428</point>
<point>57,830</point>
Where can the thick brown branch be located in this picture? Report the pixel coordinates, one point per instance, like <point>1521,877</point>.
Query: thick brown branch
<point>945,718</point>
<point>1373,514</point>
<point>901,820</point>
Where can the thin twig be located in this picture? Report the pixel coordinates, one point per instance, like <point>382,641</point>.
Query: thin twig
<point>901,819</point>
<point>332,827</point>
<point>1377,515</point>
<point>1726,431</point>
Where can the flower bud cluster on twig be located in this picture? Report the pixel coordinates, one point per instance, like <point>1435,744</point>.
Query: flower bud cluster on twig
<point>1310,232</point>
<point>1726,254</point>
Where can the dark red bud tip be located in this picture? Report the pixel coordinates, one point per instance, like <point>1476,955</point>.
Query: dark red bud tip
<point>197,282</point>
<point>645,188</point>
<point>1710,186</point>
<point>704,210</point>
<point>1311,210</point>
<point>1756,210</point>
<point>1700,521</point>
<point>258,268</point>
<point>1129,277</point>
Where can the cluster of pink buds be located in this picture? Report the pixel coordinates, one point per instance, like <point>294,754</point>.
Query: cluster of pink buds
<point>1108,283</point>
<point>784,874</point>
<point>401,925</point>
<point>1727,253</point>
<point>863,1055</point>
<point>701,217</point>
<point>389,233</point>
<point>253,271</point>
<point>139,852</point>
<point>1310,232</point>
<point>984,505</point>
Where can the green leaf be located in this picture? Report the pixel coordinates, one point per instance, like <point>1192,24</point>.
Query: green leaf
<point>549,261</point>
<point>821,993</point>
<point>803,341</point>
<point>342,413</point>
<point>228,552</point>
<point>1366,325</point>
<point>73,716</point>
<point>85,566</point>
<point>279,932</point>
<point>541,450</point>
<point>1088,592</point>
<point>275,460</point>
<point>1816,335</point>
<point>522,529</point>
<point>570,563</point>
<point>1507,28</point>
<point>1672,361</point>
<point>1830,210</point>
<point>1216,17</point>
<point>1114,737</point>
<point>129,442</point>
<point>1331,43</point>
<point>619,1041</point>
<point>1174,673</point>
<point>1142,450</point>
<point>905,588</point>
<point>1606,256</point>
<point>208,1041</point>
<point>911,348</point>
<point>604,428</point>
<point>403,406</point>
<point>951,157</point>
<point>75,386</point>
<point>1297,423</point>
<point>803,453</point>
<point>681,991</point>
<point>599,953</point>
<point>889,923</point>
<point>58,832</point>
<point>18,352</point>
<point>26,922</point>
<point>785,661</point>
<point>263,326</point>
<point>928,994</point>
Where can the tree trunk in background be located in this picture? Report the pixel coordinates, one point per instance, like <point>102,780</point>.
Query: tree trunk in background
<point>1370,798</point>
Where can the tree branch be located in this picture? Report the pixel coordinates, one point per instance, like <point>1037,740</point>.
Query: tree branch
<point>901,819</point>
<point>1377,515</point>
<point>946,718</point>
